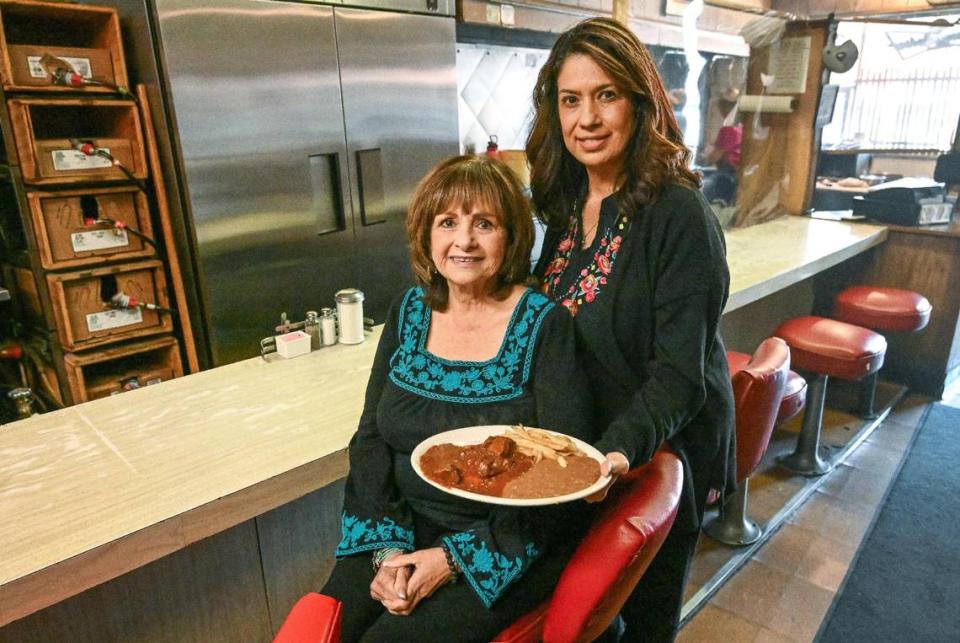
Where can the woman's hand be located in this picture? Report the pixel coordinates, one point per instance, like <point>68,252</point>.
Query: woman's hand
<point>430,571</point>
<point>615,465</point>
<point>390,584</point>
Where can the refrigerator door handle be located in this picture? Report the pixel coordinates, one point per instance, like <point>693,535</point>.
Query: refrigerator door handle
<point>370,187</point>
<point>329,200</point>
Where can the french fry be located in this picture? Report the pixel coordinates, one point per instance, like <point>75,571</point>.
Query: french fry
<point>540,444</point>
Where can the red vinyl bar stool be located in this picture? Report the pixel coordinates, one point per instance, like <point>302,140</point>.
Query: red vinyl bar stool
<point>594,585</point>
<point>826,348</point>
<point>794,392</point>
<point>794,397</point>
<point>885,310</point>
<point>757,391</point>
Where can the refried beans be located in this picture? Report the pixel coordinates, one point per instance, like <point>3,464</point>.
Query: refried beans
<point>547,479</point>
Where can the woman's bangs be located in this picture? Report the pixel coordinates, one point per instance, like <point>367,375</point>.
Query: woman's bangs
<point>467,190</point>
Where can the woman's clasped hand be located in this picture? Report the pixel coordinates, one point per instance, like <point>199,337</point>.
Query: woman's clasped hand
<point>403,580</point>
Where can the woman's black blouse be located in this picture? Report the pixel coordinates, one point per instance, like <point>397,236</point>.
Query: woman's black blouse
<point>413,395</point>
<point>648,297</point>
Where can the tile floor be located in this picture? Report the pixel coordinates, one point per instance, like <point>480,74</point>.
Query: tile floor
<point>784,590</point>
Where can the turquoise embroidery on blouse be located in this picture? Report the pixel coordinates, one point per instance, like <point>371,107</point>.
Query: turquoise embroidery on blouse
<point>358,535</point>
<point>415,369</point>
<point>488,572</point>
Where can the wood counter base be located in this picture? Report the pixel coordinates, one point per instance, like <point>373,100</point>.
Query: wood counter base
<point>925,259</point>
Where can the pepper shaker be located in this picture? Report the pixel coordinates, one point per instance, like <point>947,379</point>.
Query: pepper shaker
<point>312,327</point>
<point>350,313</point>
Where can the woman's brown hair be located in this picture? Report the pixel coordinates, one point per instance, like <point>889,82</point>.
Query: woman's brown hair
<point>467,181</point>
<point>655,155</point>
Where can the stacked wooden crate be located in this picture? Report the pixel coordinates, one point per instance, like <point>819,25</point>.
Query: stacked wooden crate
<point>88,276</point>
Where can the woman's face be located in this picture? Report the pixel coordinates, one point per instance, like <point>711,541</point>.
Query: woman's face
<point>467,246</point>
<point>596,116</point>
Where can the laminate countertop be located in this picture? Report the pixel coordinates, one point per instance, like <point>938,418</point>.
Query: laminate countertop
<point>771,256</point>
<point>93,491</point>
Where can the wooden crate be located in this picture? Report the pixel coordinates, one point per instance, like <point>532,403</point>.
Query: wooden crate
<point>65,241</point>
<point>29,296</point>
<point>44,127</point>
<point>110,371</point>
<point>85,37</point>
<point>42,374</point>
<point>80,302</point>
<point>48,382</point>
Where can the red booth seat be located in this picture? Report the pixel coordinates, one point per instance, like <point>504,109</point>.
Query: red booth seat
<point>315,619</point>
<point>618,549</point>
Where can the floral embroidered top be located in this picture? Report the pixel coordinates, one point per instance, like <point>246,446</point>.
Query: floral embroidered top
<point>413,394</point>
<point>577,275</point>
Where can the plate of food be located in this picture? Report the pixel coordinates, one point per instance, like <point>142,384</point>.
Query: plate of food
<point>510,465</point>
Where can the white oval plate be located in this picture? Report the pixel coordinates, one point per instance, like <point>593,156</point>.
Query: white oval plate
<point>476,435</point>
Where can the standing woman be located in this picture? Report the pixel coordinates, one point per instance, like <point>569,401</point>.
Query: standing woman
<point>633,250</point>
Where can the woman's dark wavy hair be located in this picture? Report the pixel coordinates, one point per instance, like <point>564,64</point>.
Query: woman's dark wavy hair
<point>468,181</point>
<point>655,155</point>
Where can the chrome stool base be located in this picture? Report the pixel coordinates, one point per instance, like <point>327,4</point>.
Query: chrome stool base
<point>733,527</point>
<point>805,464</point>
<point>805,458</point>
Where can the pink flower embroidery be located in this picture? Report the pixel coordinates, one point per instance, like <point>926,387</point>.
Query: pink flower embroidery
<point>588,284</point>
<point>586,288</point>
<point>603,263</point>
<point>557,265</point>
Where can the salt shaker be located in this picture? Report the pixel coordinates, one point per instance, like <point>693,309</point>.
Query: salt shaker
<point>311,326</point>
<point>328,327</point>
<point>350,313</point>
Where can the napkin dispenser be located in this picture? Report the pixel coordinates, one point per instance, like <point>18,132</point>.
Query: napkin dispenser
<point>906,202</point>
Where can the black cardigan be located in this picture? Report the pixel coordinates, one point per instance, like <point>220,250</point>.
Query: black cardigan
<point>657,366</point>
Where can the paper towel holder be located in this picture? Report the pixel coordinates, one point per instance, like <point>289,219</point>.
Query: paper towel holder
<point>765,103</point>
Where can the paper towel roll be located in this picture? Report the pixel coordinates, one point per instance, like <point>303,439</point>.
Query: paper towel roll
<point>780,104</point>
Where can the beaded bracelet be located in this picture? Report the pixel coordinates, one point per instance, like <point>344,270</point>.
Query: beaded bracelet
<point>381,555</point>
<point>451,563</point>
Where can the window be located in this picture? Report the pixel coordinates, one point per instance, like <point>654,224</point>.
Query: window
<point>903,92</point>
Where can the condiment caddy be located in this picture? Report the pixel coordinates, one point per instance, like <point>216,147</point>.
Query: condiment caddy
<point>345,325</point>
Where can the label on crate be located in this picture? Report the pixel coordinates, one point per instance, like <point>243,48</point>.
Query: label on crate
<point>113,319</point>
<point>98,240</point>
<point>134,383</point>
<point>80,66</point>
<point>68,160</point>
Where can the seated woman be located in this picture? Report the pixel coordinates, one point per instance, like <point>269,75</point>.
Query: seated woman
<point>471,345</point>
<point>721,186</point>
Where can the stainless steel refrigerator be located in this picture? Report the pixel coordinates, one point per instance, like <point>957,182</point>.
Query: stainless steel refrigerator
<point>301,132</point>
